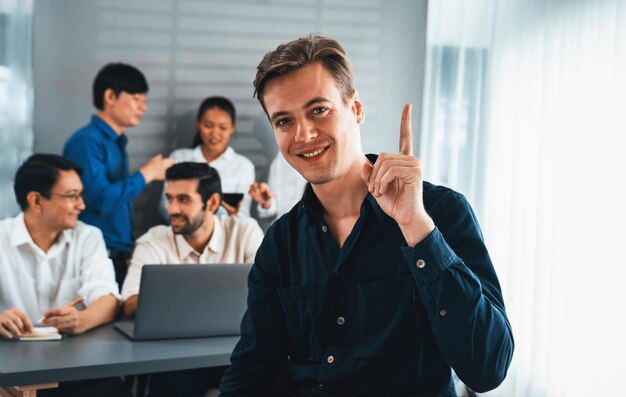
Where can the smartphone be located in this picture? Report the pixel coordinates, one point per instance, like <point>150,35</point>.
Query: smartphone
<point>232,199</point>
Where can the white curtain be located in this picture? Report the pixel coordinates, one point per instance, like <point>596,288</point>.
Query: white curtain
<point>552,187</point>
<point>16,95</point>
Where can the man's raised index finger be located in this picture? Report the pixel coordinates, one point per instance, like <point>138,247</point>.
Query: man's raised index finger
<point>406,136</point>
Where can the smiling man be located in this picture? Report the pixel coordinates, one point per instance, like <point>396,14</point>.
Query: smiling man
<point>377,283</point>
<point>195,236</point>
<point>49,258</point>
<point>119,96</point>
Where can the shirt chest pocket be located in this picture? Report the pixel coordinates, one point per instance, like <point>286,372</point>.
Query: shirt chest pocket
<point>388,317</point>
<point>299,305</point>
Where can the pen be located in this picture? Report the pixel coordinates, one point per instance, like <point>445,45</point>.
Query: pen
<point>73,303</point>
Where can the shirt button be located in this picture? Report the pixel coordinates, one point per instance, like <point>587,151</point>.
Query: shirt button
<point>420,263</point>
<point>442,312</point>
<point>341,320</point>
<point>324,228</point>
<point>330,359</point>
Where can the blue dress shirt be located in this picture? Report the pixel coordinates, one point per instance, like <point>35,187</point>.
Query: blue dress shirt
<point>108,188</point>
<point>376,317</point>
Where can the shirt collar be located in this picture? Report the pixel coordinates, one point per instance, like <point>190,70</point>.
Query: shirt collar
<point>215,245</point>
<point>311,203</point>
<point>184,249</point>
<point>20,234</point>
<point>380,214</point>
<point>106,129</point>
<point>197,154</point>
<point>369,198</point>
<point>229,154</point>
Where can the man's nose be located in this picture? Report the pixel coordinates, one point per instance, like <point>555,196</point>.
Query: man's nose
<point>80,204</point>
<point>172,208</point>
<point>305,131</point>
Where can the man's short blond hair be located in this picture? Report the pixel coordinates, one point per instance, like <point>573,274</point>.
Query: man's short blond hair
<point>291,56</point>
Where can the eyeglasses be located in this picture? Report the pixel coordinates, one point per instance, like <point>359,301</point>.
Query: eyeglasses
<point>73,197</point>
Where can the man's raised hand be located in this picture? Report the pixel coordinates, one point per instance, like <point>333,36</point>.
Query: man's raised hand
<point>395,180</point>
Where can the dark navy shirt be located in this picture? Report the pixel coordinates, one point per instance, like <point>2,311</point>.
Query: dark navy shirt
<point>376,317</point>
<point>108,188</point>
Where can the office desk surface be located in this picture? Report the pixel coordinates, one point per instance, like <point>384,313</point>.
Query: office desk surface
<point>105,352</point>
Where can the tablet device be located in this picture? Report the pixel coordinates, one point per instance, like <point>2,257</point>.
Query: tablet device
<point>232,199</point>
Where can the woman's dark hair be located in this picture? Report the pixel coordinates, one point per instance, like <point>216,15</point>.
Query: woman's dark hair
<point>38,174</point>
<point>214,102</point>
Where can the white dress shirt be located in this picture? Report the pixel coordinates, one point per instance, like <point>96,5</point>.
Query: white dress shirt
<point>287,186</point>
<point>234,240</point>
<point>76,265</point>
<point>236,175</point>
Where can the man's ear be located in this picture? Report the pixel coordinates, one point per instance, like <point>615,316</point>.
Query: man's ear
<point>213,202</point>
<point>109,97</point>
<point>357,107</point>
<point>34,201</point>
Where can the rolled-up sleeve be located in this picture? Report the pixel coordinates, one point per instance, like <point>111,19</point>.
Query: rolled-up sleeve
<point>142,255</point>
<point>96,269</point>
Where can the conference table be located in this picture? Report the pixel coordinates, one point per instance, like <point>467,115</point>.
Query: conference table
<point>26,367</point>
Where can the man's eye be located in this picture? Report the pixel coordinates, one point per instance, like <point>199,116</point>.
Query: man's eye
<point>319,110</point>
<point>281,122</point>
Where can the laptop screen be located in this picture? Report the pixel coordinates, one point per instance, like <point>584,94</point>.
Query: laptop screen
<point>181,301</point>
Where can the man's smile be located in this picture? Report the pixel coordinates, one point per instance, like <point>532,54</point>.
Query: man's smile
<point>312,154</point>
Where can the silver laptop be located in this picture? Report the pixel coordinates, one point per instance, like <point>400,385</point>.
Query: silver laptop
<point>187,301</point>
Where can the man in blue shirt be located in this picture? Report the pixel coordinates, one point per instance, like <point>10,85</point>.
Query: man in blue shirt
<point>377,283</point>
<point>119,95</point>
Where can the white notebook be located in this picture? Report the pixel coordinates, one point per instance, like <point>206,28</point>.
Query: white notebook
<point>42,333</point>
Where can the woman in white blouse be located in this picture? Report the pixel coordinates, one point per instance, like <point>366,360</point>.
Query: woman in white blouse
<point>216,123</point>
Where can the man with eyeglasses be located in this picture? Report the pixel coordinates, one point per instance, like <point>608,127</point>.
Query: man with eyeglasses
<point>48,258</point>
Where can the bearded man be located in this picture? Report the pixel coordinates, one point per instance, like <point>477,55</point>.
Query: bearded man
<point>195,234</point>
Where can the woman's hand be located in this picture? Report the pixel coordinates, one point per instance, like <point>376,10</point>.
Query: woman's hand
<point>261,193</point>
